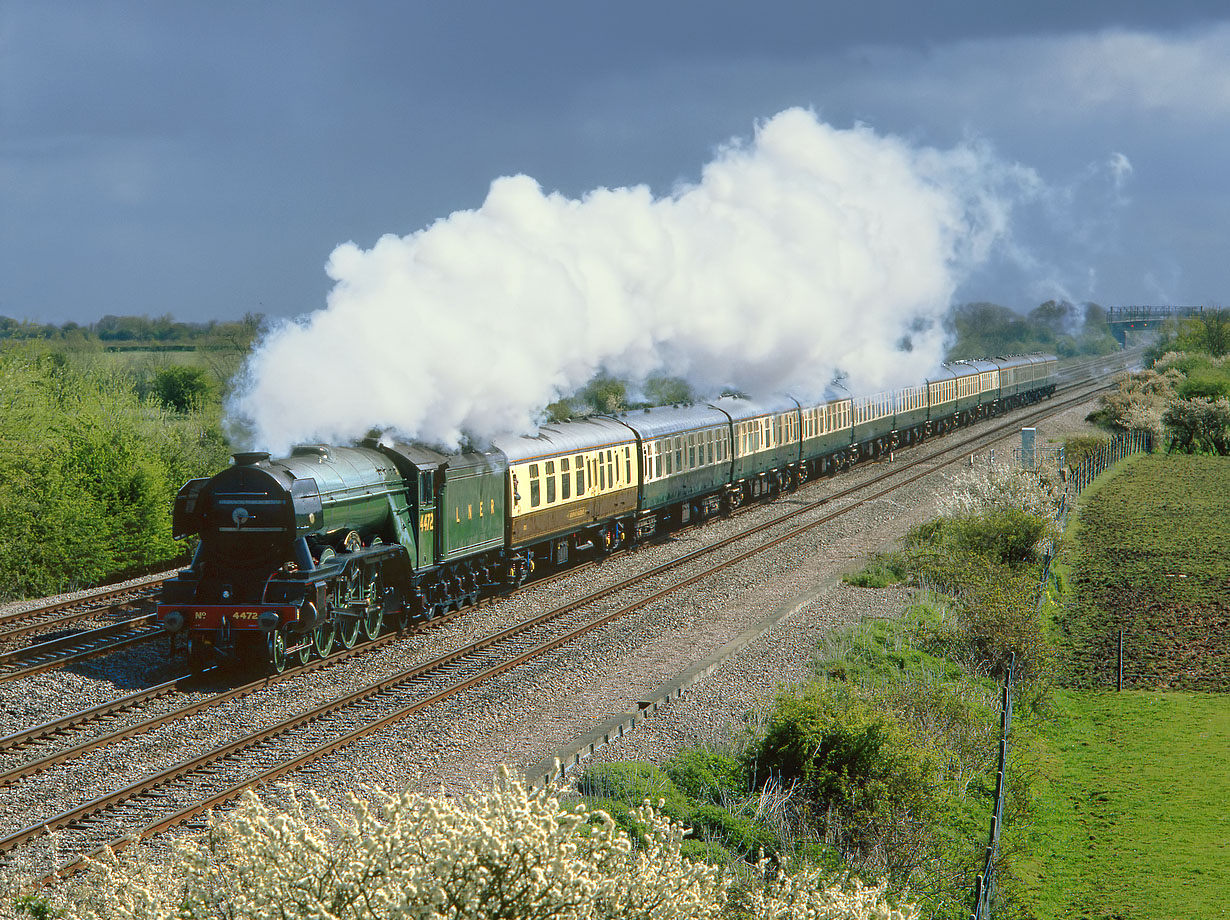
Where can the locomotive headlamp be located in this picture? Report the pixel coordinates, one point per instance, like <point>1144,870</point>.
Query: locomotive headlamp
<point>268,621</point>
<point>173,622</point>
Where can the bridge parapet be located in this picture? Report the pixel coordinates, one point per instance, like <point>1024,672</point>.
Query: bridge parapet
<point>1140,317</point>
<point>1155,313</point>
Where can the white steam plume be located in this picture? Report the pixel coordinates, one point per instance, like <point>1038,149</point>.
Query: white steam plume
<point>809,250</point>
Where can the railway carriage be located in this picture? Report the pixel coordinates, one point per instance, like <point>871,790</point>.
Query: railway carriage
<point>986,375</point>
<point>873,425</point>
<point>942,401</point>
<point>572,488</point>
<point>765,447</point>
<point>910,417</point>
<point>1025,378</point>
<point>685,463</point>
<point>968,378</point>
<point>826,435</point>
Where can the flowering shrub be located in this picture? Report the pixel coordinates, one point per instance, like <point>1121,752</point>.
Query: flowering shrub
<point>508,853</point>
<point>1002,488</point>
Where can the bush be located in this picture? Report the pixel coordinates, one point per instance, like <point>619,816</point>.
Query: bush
<point>633,782</point>
<point>1198,426</point>
<point>882,570</point>
<point>1004,536</point>
<point>507,853</point>
<point>180,388</point>
<point>1076,449</point>
<point>88,474</point>
<point>863,778</point>
<point>708,776</point>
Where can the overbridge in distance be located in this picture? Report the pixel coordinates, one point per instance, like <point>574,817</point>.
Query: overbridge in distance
<point>1138,318</point>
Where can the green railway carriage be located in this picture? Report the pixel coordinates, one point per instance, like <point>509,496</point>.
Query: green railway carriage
<point>685,464</point>
<point>1025,377</point>
<point>909,415</point>
<point>826,435</point>
<point>471,507</point>
<point>941,401</point>
<point>571,488</point>
<point>873,424</point>
<point>766,443</point>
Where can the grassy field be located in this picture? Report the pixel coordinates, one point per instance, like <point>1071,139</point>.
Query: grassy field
<point>1149,553</point>
<point>1131,817</point>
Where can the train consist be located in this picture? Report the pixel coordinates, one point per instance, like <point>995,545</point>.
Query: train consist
<point>333,544</point>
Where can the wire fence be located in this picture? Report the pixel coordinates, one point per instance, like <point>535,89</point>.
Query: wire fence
<point>984,884</point>
<point>1133,442</point>
<point>1076,480</point>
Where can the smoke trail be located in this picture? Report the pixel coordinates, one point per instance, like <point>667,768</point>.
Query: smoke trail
<point>807,251</point>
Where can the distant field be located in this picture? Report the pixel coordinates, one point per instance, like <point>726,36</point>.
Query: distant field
<point>219,362</point>
<point>1150,554</point>
<point>1131,818</point>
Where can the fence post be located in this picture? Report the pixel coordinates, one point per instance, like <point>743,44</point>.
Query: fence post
<point>1119,682</point>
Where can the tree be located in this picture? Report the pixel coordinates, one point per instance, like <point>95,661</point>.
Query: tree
<point>1216,330</point>
<point>181,388</point>
<point>1198,426</point>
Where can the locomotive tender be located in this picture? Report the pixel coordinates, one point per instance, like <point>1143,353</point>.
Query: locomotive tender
<point>332,544</point>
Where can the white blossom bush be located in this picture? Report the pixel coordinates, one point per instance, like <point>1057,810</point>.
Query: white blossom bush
<point>1002,488</point>
<point>804,896</point>
<point>508,853</point>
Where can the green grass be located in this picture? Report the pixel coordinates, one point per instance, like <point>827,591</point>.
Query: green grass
<point>1150,554</point>
<point>1131,815</point>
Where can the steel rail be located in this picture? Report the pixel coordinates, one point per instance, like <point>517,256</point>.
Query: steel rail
<point>102,596</point>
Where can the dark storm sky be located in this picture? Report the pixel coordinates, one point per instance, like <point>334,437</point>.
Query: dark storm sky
<point>204,159</point>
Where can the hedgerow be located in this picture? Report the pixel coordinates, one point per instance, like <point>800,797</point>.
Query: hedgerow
<point>88,473</point>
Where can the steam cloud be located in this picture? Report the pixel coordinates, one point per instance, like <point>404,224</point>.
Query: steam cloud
<point>808,251</point>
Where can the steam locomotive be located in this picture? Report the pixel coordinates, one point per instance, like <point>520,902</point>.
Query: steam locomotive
<point>334,544</point>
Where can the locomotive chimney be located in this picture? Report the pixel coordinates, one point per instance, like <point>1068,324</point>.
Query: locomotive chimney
<point>250,458</point>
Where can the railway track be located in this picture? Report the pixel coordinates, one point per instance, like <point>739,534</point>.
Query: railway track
<point>53,615</point>
<point>40,638</point>
<point>184,790</point>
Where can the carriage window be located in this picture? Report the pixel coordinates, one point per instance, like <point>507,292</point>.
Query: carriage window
<point>565,480</point>
<point>535,494</point>
<point>550,481</point>
<point>601,475</point>
<point>628,464</point>
<point>610,467</point>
